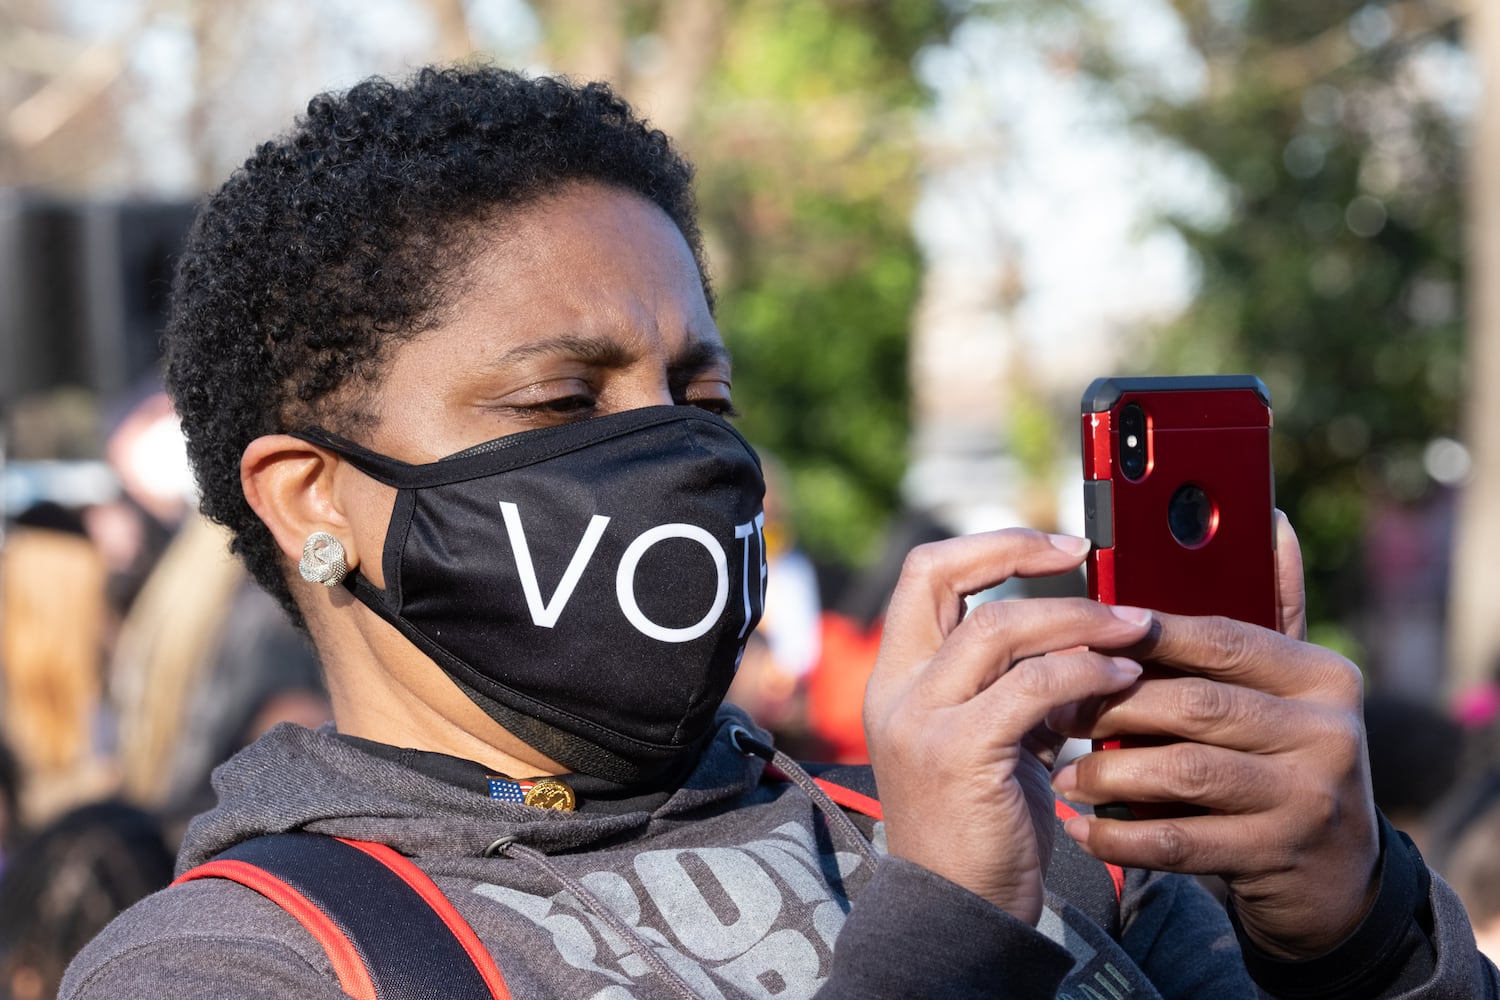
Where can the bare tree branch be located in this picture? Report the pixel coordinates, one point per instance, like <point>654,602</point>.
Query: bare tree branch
<point>1333,49</point>
<point>89,76</point>
<point>691,33</point>
<point>455,40</point>
<point>84,80</point>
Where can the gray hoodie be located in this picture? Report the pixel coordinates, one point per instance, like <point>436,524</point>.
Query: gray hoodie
<point>738,882</point>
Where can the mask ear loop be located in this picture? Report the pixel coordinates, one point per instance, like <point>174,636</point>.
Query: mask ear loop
<point>381,468</point>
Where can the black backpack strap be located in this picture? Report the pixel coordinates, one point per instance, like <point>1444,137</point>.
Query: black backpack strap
<point>1082,879</point>
<point>389,932</point>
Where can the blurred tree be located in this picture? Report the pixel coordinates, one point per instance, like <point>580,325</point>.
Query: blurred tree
<point>59,99</point>
<point>1337,275</point>
<point>801,123</point>
<point>799,113</point>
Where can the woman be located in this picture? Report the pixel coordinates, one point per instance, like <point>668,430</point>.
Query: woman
<point>53,622</point>
<point>447,363</point>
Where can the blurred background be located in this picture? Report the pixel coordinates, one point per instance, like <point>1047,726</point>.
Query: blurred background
<point>932,223</point>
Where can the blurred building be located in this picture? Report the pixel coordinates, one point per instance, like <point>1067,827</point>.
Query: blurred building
<point>83,290</point>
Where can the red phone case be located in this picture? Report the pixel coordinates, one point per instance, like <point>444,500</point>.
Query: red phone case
<point>1209,434</point>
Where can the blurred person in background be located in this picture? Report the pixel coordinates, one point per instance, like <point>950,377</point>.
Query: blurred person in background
<point>1477,788</point>
<point>53,621</point>
<point>144,448</point>
<point>1417,756</point>
<point>10,803</point>
<point>849,641</point>
<point>772,678</point>
<point>66,883</point>
<point>205,662</point>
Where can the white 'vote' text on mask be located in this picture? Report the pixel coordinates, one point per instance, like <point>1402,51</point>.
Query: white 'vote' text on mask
<point>545,613</point>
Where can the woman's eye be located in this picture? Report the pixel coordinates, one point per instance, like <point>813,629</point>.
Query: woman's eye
<point>717,405</point>
<point>566,404</point>
<point>706,394</point>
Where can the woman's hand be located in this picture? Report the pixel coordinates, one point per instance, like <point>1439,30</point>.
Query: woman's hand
<point>1272,743</point>
<point>955,708</point>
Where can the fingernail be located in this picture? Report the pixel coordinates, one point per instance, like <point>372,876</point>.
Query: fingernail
<point>1078,829</point>
<point>1125,668</point>
<point>1071,544</point>
<point>1065,780</point>
<point>1134,616</point>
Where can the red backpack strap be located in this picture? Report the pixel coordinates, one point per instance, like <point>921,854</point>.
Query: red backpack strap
<point>388,931</point>
<point>348,963</point>
<point>850,799</point>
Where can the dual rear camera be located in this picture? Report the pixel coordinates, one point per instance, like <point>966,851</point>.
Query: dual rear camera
<point>1132,441</point>
<point>1191,513</point>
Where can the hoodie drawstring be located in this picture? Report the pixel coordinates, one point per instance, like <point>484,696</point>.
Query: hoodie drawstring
<point>507,847</point>
<point>838,822</point>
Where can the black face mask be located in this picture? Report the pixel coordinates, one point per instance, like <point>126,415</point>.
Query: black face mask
<point>591,586</point>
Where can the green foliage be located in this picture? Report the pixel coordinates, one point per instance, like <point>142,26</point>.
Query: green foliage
<point>820,361</point>
<point>1337,275</point>
<point>807,169</point>
<point>802,130</point>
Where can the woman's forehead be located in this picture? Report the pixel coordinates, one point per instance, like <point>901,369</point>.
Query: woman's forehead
<point>582,241</point>
<point>593,288</point>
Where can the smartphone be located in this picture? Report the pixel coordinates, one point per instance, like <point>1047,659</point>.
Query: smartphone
<point>1179,501</point>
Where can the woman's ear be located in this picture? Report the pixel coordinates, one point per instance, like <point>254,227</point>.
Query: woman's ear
<point>289,483</point>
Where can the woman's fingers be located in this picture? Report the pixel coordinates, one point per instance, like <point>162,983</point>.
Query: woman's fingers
<point>1015,706</point>
<point>1002,635</point>
<point>1226,650</point>
<point>1271,741</point>
<point>1291,593</point>
<point>955,706</point>
<point>1188,708</point>
<point>928,602</point>
<point>1212,777</point>
<point>1223,845</point>
<point>943,720</point>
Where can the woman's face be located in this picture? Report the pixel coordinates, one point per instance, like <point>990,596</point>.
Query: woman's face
<point>584,304</point>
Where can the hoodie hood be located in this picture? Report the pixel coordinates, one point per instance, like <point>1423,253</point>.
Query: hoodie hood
<point>300,779</point>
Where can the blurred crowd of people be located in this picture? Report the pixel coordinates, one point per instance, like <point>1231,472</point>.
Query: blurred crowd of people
<point>135,655</point>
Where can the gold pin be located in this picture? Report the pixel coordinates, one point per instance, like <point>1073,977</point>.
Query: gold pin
<point>549,793</point>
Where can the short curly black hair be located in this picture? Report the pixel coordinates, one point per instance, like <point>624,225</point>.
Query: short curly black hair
<point>346,236</point>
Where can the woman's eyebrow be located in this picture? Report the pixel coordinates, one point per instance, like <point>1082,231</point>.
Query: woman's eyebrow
<point>701,355</point>
<point>604,352</point>
<point>607,352</point>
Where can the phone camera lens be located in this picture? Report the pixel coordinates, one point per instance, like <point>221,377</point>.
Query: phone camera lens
<point>1133,441</point>
<point>1191,516</point>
